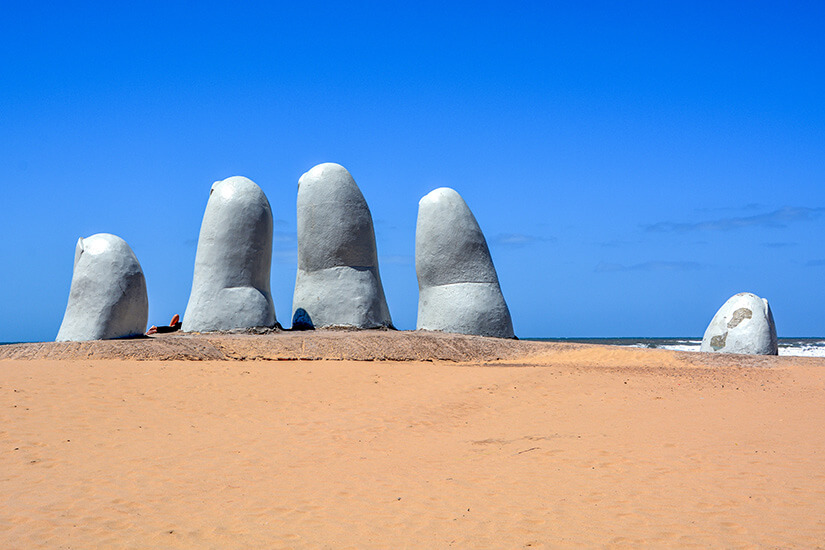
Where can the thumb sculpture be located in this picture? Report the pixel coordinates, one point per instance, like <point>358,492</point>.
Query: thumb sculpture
<point>744,324</point>
<point>457,283</point>
<point>108,293</point>
<point>230,287</point>
<point>338,282</point>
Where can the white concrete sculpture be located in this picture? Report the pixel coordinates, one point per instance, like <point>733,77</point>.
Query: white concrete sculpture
<point>744,324</point>
<point>230,287</point>
<point>338,282</point>
<point>458,288</point>
<point>108,293</point>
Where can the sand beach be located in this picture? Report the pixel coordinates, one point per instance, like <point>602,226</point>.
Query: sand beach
<point>383,439</point>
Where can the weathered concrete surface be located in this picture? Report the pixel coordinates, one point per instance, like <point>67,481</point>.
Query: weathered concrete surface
<point>744,324</point>
<point>457,282</point>
<point>338,282</point>
<point>108,294</point>
<point>230,286</point>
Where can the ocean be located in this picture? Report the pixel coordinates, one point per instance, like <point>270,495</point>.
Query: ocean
<point>798,347</point>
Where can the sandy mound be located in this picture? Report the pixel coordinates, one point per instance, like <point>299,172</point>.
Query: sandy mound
<point>376,345</point>
<point>364,345</point>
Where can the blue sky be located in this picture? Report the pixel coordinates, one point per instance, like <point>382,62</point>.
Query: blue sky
<point>632,164</point>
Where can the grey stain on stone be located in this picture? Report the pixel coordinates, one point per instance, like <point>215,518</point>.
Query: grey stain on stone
<point>744,324</point>
<point>740,315</point>
<point>718,341</point>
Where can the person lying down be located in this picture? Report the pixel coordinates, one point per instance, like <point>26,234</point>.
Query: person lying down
<point>174,325</point>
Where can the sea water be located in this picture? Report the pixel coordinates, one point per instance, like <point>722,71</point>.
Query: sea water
<point>798,347</point>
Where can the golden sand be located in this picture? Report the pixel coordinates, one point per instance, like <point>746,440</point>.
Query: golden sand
<point>526,446</point>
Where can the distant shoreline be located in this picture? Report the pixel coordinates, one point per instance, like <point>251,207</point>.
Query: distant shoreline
<point>603,340</point>
<point>583,339</point>
<point>807,346</point>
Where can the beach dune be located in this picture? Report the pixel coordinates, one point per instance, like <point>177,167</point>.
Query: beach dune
<point>299,441</point>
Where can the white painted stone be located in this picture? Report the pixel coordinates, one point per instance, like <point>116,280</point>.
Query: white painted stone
<point>458,288</point>
<point>230,287</point>
<point>744,324</point>
<point>108,293</point>
<point>338,282</point>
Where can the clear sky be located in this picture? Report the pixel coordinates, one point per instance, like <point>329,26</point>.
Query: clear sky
<point>632,164</point>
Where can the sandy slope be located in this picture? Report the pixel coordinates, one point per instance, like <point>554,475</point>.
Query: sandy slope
<point>526,446</point>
